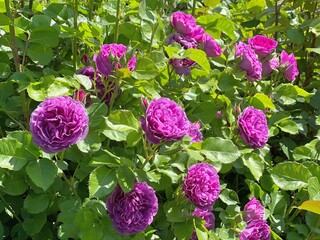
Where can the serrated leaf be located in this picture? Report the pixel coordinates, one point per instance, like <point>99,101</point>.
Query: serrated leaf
<point>290,176</point>
<point>145,69</point>
<point>288,126</point>
<point>219,150</point>
<point>84,81</point>
<point>42,172</point>
<point>261,100</point>
<point>255,164</point>
<point>183,231</point>
<point>199,57</point>
<point>102,181</point>
<point>311,205</point>
<point>14,183</point>
<point>314,188</point>
<point>34,224</point>
<point>36,203</point>
<point>125,178</point>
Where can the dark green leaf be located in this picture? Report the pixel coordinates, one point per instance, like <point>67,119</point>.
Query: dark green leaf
<point>102,181</point>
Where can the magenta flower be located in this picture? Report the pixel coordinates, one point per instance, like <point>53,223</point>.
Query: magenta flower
<point>197,34</point>
<point>57,123</point>
<point>194,132</point>
<point>211,47</point>
<point>262,45</point>
<point>289,63</point>
<point>249,61</point>
<point>253,210</point>
<point>109,57</point>
<point>183,23</point>
<point>268,66</point>
<point>132,63</point>
<point>253,127</point>
<point>256,230</point>
<point>132,212</point>
<point>201,185</point>
<point>185,41</point>
<point>207,215</point>
<point>182,66</point>
<point>165,121</point>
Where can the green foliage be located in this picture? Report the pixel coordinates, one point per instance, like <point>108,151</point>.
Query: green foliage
<point>63,195</point>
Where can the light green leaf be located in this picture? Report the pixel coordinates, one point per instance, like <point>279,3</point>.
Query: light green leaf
<point>211,3</point>
<point>42,172</point>
<point>302,152</point>
<point>290,176</point>
<point>314,188</point>
<point>286,94</point>
<point>316,50</point>
<point>255,164</point>
<point>45,35</point>
<point>311,205</point>
<point>84,81</point>
<point>145,69</point>
<point>199,57</point>
<point>125,178</point>
<point>262,101</point>
<point>288,126</point>
<point>102,181</point>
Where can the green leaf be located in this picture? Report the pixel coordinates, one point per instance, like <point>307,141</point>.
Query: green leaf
<point>40,53</point>
<point>96,112</point>
<point>288,126</point>
<point>302,152</point>
<point>42,172</point>
<point>311,205</point>
<point>303,93</point>
<point>14,183</point>
<point>84,81</point>
<point>262,101</point>
<point>290,176</point>
<point>5,70</point>
<point>102,181</point>
<point>36,203</point>
<point>45,35</point>
<point>199,57</point>
<point>12,156</point>
<point>316,50</point>
<point>145,69</point>
<point>211,3</point>
<point>219,150</point>
<point>255,163</point>
<point>4,19</point>
<point>227,26</point>
<point>286,94</point>
<point>105,157</point>
<point>314,188</point>
<point>229,197</point>
<point>119,124</point>
<point>6,90</point>
<point>256,6</point>
<point>296,36</point>
<point>183,231</point>
<point>34,224</point>
<point>125,178</point>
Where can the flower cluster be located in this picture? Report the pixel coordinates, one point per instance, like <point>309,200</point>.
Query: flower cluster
<point>57,123</point>
<point>258,60</point>
<point>106,61</point>
<point>201,186</point>
<point>132,212</point>
<point>257,227</point>
<point>253,127</point>
<point>190,35</point>
<point>165,120</point>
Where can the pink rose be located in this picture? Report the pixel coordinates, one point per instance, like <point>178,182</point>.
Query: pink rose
<point>253,210</point>
<point>269,66</point>
<point>211,47</point>
<point>249,61</point>
<point>182,66</point>
<point>184,23</point>
<point>262,45</point>
<point>289,63</point>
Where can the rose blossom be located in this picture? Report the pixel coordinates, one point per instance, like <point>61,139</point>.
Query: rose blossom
<point>207,215</point>
<point>211,47</point>
<point>194,132</point>
<point>268,66</point>
<point>253,210</point>
<point>183,23</point>
<point>197,34</point>
<point>253,127</point>
<point>262,45</point>
<point>249,61</point>
<point>132,212</point>
<point>165,120</point>
<point>109,57</point>
<point>57,123</point>
<point>289,63</point>
<point>201,185</point>
<point>256,230</point>
<point>185,41</point>
<point>182,66</point>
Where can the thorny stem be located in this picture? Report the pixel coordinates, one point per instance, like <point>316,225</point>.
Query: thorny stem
<point>194,7</point>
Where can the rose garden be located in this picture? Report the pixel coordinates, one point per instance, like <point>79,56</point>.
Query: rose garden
<point>160,119</point>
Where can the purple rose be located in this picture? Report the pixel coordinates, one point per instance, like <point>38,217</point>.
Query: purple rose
<point>57,123</point>
<point>109,57</point>
<point>262,45</point>
<point>185,41</point>
<point>201,185</point>
<point>182,66</point>
<point>289,64</point>
<point>194,132</point>
<point>207,215</point>
<point>165,121</point>
<point>268,66</point>
<point>253,210</point>
<point>211,47</point>
<point>197,34</point>
<point>253,127</point>
<point>256,230</point>
<point>183,23</point>
<point>132,212</point>
<point>249,61</point>
<point>132,63</point>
